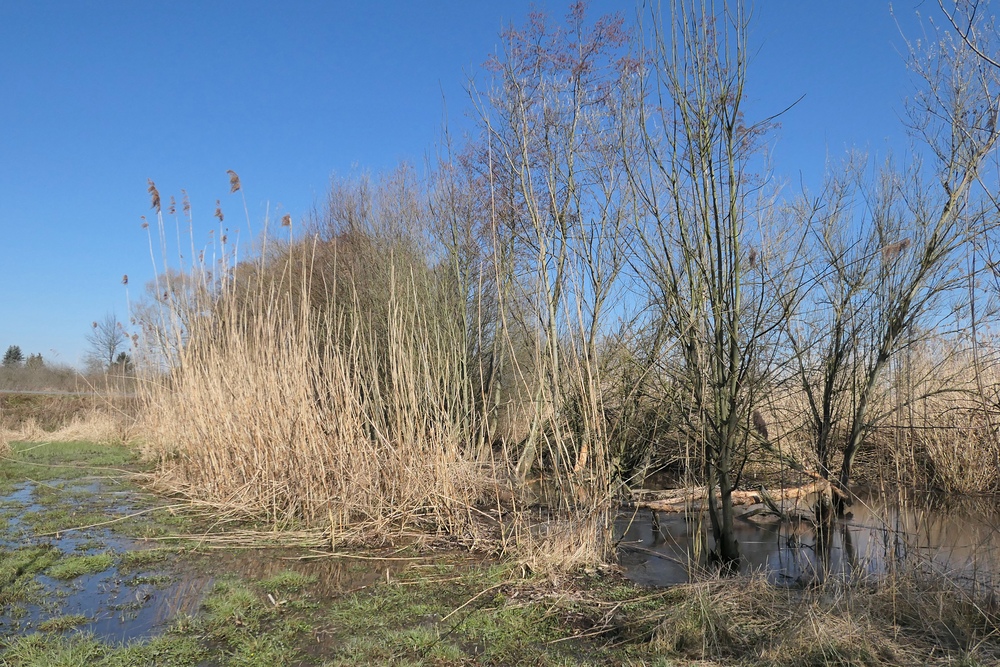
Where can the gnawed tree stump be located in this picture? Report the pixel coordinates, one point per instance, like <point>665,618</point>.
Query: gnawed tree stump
<point>789,502</point>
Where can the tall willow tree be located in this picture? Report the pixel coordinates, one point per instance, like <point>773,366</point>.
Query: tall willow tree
<point>691,156</point>
<point>891,243</point>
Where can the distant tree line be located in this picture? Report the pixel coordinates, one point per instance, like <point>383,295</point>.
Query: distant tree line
<point>14,358</point>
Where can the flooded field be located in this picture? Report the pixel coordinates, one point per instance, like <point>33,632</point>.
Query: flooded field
<point>112,580</point>
<point>95,571</point>
<point>119,588</point>
<point>95,580</point>
<point>880,534</point>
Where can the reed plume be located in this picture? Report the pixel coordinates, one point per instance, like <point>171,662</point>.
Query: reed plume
<point>154,195</point>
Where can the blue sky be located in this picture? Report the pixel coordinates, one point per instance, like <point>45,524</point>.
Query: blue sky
<point>95,98</point>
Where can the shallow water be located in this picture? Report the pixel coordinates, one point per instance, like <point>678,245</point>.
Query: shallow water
<point>124,604</point>
<point>119,606</point>
<point>962,543</point>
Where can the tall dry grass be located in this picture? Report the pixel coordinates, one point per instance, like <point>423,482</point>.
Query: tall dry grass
<point>349,379</point>
<point>283,411</point>
<point>906,620</point>
<point>96,425</point>
<point>61,417</point>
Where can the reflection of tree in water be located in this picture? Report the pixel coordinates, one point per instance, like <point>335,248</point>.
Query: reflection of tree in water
<point>659,536</point>
<point>881,538</point>
<point>823,538</point>
<point>850,553</point>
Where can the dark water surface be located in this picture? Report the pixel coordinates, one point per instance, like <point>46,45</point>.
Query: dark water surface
<point>960,542</point>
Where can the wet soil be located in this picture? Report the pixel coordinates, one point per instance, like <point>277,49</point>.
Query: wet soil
<point>119,602</point>
<point>93,574</point>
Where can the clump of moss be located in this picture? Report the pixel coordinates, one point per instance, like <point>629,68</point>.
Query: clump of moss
<point>76,566</point>
<point>62,623</point>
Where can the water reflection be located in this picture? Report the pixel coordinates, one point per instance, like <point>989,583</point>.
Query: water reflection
<point>883,534</point>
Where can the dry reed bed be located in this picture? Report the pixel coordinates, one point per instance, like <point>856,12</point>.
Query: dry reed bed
<point>295,416</point>
<point>96,425</point>
<point>933,425</point>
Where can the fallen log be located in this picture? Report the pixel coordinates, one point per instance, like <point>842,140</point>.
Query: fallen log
<point>695,498</point>
<point>760,515</point>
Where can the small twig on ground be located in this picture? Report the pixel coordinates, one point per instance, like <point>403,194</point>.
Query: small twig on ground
<point>108,522</point>
<point>471,600</point>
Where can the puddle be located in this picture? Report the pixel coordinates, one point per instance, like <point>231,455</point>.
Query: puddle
<point>661,549</point>
<point>119,605</point>
<point>123,604</point>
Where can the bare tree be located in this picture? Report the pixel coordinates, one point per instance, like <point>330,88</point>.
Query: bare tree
<point>706,217</point>
<point>929,216</point>
<point>560,206</point>
<point>106,339</point>
<point>825,320</point>
<point>890,245</point>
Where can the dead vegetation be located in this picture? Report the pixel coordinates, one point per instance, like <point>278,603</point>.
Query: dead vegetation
<point>27,417</point>
<point>902,621</point>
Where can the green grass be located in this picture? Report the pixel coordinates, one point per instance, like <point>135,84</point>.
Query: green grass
<point>157,580</point>
<point>62,623</point>
<point>60,519</point>
<point>18,568</point>
<point>140,559</point>
<point>287,581</point>
<point>231,609</point>
<point>72,567</point>
<point>157,523</point>
<point>61,473</point>
<point>173,649</point>
<point>43,462</point>
<point>25,561</point>
<point>461,615</point>
<point>65,460</point>
<point>53,650</point>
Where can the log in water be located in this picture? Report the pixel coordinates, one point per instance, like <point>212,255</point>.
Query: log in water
<point>796,502</point>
